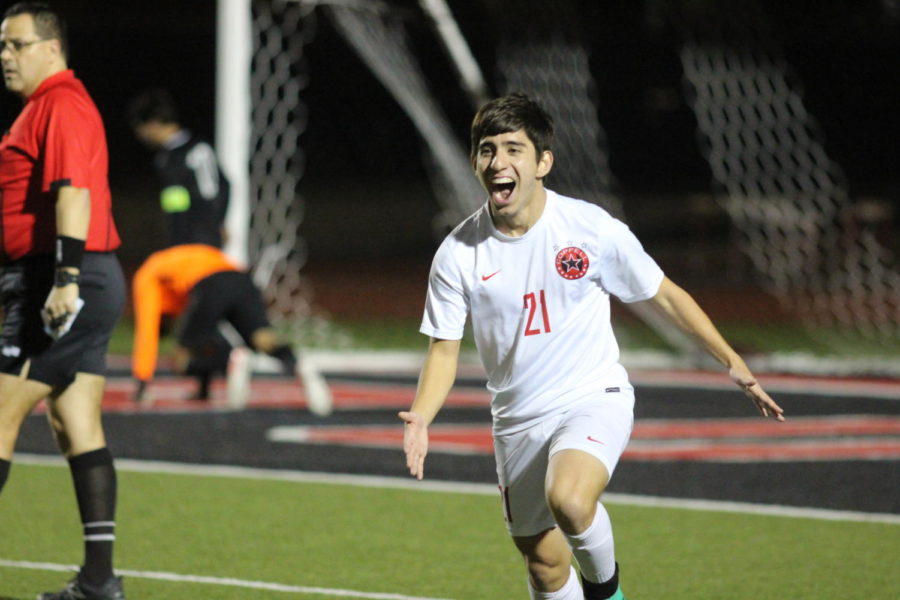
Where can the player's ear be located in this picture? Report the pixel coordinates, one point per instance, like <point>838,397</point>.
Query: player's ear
<point>544,164</point>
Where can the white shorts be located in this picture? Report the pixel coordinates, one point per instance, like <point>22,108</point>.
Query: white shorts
<point>599,427</point>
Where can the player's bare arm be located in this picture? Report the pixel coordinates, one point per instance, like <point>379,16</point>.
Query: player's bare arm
<point>684,311</point>
<point>73,216</point>
<point>435,381</point>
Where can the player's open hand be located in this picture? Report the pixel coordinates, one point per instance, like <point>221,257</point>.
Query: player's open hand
<point>747,382</point>
<point>415,442</point>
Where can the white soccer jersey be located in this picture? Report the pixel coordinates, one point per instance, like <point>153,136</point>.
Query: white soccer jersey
<point>539,304</point>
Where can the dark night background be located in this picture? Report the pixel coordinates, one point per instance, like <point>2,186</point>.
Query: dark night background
<point>366,190</point>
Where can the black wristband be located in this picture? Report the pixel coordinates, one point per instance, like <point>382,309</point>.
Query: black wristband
<point>64,278</point>
<point>69,252</point>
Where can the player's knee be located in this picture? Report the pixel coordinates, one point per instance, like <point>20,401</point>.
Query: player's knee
<point>57,427</point>
<point>75,432</point>
<point>265,339</point>
<point>574,513</point>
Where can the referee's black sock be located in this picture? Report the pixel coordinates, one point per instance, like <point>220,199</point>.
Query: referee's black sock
<point>94,477</point>
<point>4,472</point>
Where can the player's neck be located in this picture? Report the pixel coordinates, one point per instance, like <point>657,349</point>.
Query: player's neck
<point>519,222</point>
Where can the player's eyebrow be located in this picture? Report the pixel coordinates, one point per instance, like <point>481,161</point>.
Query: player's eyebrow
<point>504,144</point>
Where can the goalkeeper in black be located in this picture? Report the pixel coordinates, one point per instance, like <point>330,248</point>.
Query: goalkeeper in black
<point>194,194</point>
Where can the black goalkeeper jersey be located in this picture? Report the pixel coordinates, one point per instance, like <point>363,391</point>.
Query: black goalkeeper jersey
<point>194,192</point>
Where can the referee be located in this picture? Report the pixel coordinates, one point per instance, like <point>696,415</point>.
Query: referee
<point>61,286</point>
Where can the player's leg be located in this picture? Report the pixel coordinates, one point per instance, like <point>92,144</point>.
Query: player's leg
<point>521,458</point>
<point>575,481</point>
<point>549,564</point>
<point>206,357</point>
<point>248,316</point>
<point>76,365</point>
<point>202,350</point>
<point>23,287</point>
<point>75,418</point>
<point>584,452</point>
<point>247,313</point>
<point>18,396</point>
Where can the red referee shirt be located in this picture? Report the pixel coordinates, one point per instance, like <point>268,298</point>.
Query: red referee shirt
<point>57,140</point>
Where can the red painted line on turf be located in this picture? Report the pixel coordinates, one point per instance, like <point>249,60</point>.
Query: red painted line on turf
<point>173,394</point>
<point>793,427</point>
<point>876,387</point>
<point>826,438</point>
<point>776,451</point>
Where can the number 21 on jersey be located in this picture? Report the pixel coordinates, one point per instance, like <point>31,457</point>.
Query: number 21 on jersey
<point>542,324</point>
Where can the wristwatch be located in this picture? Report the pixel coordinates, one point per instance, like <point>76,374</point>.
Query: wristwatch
<point>64,278</point>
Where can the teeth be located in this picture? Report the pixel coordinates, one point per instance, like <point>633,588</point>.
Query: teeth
<point>502,180</point>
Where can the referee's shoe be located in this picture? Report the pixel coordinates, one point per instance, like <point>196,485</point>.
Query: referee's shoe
<point>79,589</point>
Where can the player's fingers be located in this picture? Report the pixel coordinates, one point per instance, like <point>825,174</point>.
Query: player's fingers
<point>415,462</point>
<point>776,410</point>
<point>760,406</point>
<point>768,407</point>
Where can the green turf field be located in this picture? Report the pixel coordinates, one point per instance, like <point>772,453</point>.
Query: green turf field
<point>419,544</point>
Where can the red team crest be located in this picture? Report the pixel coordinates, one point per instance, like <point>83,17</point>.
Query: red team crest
<point>572,263</point>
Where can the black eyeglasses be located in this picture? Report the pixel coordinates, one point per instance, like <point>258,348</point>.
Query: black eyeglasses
<point>16,46</point>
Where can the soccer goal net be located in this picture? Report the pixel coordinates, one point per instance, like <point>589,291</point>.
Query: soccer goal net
<point>788,205</point>
<point>787,199</point>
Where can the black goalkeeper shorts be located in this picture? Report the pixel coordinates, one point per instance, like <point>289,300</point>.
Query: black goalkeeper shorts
<point>224,296</point>
<point>24,287</point>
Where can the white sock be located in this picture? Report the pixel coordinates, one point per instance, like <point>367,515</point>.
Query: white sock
<point>594,548</point>
<point>570,591</point>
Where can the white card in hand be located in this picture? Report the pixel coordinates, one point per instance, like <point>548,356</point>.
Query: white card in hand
<point>66,325</point>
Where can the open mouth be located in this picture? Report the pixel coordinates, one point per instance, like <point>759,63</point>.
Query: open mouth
<point>502,188</point>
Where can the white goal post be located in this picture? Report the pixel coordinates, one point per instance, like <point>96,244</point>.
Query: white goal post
<point>233,116</point>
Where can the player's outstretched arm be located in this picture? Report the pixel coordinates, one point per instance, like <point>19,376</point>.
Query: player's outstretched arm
<point>684,311</point>
<point>435,381</point>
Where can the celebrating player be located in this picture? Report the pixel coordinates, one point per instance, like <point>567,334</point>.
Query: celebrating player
<point>59,309</point>
<point>534,270</point>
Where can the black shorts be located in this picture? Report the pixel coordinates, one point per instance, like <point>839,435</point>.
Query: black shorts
<point>24,287</point>
<point>224,296</point>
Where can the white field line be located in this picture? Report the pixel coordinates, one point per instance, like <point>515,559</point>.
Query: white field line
<point>223,581</point>
<point>371,481</point>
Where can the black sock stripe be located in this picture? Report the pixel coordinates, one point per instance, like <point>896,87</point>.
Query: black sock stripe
<point>601,591</point>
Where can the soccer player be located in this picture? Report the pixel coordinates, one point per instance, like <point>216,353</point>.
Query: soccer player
<point>534,270</point>
<point>202,285</point>
<point>61,286</point>
<point>194,192</point>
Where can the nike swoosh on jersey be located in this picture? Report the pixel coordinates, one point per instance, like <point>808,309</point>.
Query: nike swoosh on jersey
<point>486,277</point>
<point>591,439</point>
